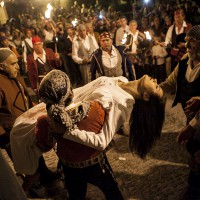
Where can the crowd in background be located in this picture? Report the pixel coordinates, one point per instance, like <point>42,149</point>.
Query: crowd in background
<point>60,31</point>
<point>88,42</point>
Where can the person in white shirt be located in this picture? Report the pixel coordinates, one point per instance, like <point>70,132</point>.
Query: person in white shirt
<point>110,60</point>
<point>40,62</point>
<point>82,49</point>
<point>179,26</point>
<point>134,38</point>
<point>27,46</point>
<point>122,31</point>
<point>158,55</point>
<point>94,35</point>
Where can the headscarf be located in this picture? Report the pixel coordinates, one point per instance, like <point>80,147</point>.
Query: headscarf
<point>194,32</point>
<point>55,90</point>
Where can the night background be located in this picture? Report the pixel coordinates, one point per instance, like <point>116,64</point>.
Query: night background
<point>15,7</point>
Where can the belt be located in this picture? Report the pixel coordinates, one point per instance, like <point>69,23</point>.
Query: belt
<point>87,163</point>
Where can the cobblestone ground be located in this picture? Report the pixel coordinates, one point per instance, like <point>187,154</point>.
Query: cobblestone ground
<point>161,176</point>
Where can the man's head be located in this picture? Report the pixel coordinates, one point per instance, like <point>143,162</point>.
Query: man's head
<point>37,45</point>
<point>133,26</point>
<point>118,23</point>
<point>123,20</point>
<point>179,16</point>
<point>70,31</point>
<point>192,43</point>
<point>106,41</point>
<point>28,33</point>
<point>89,28</point>
<point>4,41</point>
<point>8,62</point>
<point>82,31</point>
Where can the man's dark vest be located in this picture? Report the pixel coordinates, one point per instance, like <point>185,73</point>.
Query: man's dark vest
<point>185,90</point>
<point>174,36</point>
<point>44,68</point>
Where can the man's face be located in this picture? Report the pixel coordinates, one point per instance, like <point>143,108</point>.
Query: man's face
<point>82,33</point>
<point>38,47</point>
<point>106,44</point>
<point>70,32</point>
<point>28,34</point>
<point>192,48</point>
<point>179,16</point>
<point>123,22</point>
<point>118,23</point>
<point>133,26</point>
<point>89,28</point>
<point>11,66</point>
<point>5,43</point>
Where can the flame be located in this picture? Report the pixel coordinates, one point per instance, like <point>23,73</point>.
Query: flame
<point>2,4</point>
<point>124,38</point>
<point>148,36</point>
<point>48,11</point>
<point>74,22</point>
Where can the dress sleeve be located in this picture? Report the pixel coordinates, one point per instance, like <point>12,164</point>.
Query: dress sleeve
<point>101,140</point>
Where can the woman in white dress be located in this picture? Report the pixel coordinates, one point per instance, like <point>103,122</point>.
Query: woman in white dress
<point>117,97</point>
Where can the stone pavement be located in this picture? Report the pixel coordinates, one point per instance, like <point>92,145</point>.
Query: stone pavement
<point>161,176</point>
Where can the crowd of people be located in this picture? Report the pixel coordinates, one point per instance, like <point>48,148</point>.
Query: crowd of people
<point>97,74</point>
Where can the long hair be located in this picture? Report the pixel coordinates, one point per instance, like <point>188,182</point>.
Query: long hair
<point>145,125</point>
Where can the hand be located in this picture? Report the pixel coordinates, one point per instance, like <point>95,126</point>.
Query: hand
<point>181,45</point>
<point>57,56</point>
<point>162,44</point>
<point>85,61</point>
<point>185,134</point>
<point>193,105</point>
<point>36,91</point>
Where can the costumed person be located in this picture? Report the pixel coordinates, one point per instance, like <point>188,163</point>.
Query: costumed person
<point>82,49</point>
<point>14,98</point>
<point>134,38</point>
<point>110,60</point>
<point>180,26</point>
<point>81,164</point>
<point>14,101</point>
<point>159,54</point>
<point>185,82</point>
<point>117,96</point>
<point>40,62</point>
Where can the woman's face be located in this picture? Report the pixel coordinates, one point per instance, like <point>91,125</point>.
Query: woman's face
<point>150,85</point>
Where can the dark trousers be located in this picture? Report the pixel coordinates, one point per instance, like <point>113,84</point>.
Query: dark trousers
<point>174,63</point>
<point>159,72</point>
<point>100,175</point>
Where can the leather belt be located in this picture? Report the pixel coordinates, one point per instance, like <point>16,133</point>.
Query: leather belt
<point>87,163</point>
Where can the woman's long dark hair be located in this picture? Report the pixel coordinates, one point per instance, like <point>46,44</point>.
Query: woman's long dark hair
<point>145,125</point>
